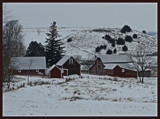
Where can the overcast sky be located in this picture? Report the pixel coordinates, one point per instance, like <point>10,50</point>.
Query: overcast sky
<point>139,16</point>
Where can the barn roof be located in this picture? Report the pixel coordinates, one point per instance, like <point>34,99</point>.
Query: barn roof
<point>23,63</point>
<point>115,58</point>
<point>63,60</point>
<point>53,66</point>
<point>122,65</point>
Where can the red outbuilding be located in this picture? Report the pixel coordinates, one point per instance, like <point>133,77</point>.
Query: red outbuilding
<point>114,65</point>
<point>29,65</point>
<point>68,62</point>
<point>56,72</point>
<point>64,67</point>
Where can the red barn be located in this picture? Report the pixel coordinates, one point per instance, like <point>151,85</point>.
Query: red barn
<point>113,65</point>
<point>64,67</point>
<point>29,65</point>
<point>68,62</point>
<point>56,72</point>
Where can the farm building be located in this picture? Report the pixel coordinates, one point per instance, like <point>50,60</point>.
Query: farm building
<point>29,65</point>
<point>113,65</point>
<point>68,62</point>
<point>56,72</point>
<point>64,67</point>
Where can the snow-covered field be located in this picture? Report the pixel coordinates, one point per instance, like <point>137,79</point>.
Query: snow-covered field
<point>90,95</point>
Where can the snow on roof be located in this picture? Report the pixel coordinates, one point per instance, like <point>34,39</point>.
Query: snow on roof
<point>109,66</point>
<point>63,60</point>
<point>114,58</point>
<point>51,68</point>
<point>128,66</point>
<point>26,63</point>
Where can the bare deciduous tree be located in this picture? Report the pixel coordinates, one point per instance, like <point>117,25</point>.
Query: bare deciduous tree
<point>29,63</point>
<point>12,46</point>
<point>141,61</point>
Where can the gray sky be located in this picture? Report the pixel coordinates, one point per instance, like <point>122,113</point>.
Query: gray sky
<point>139,16</point>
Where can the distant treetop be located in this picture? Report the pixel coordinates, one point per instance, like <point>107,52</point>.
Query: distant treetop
<point>126,28</point>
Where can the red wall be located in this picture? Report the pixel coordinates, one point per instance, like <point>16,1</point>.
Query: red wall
<point>31,72</point>
<point>108,72</point>
<point>97,68</point>
<point>55,73</point>
<point>72,68</point>
<point>127,73</point>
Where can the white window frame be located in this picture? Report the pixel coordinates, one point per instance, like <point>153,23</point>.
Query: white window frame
<point>37,70</point>
<point>71,61</point>
<point>123,70</point>
<point>19,71</point>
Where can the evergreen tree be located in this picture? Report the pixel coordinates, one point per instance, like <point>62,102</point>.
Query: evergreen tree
<point>115,51</point>
<point>120,41</point>
<point>126,28</point>
<point>125,48</point>
<point>135,36</point>
<point>109,52</point>
<point>128,38</point>
<point>54,49</point>
<point>35,49</point>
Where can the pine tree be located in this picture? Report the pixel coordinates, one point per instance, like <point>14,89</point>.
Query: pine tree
<point>35,49</point>
<point>54,49</point>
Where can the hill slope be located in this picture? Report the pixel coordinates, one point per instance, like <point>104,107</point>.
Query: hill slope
<point>85,40</point>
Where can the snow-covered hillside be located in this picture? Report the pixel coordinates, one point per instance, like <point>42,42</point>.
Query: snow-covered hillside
<point>90,95</point>
<point>85,40</point>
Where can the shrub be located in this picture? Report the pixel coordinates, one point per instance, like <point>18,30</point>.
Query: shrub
<point>112,40</point>
<point>103,46</point>
<point>115,51</point>
<point>124,48</point>
<point>69,79</point>
<point>113,44</point>
<point>135,36</point>
<point>128,38</point>
<point>109,52</point>
<point>143,31</point>
<point>98,49</point>
<point>120,41</point>
<point>107,37</point>
<point>125,29</point>
<point>69,39</point>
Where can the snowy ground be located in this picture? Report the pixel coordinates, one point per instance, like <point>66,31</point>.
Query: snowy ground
<point>87,96</point>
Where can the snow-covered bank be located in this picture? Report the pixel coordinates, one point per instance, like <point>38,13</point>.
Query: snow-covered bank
<point>97,96</point>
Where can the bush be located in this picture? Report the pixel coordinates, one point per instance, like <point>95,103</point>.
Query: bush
<point>98,49</point>
<point>113,44</point>
<point>124,48</point>
<point>115,51</point>
<point>144,31</point>
<point>107,37</point>
<point>109,52</point>
<point>120,41</point>
<point>103,47</point>
<point>128,38</point>
<point>112,40</point>
<point>69,39</point>
<point>135,36</point>
<point>125,29</point>
<point>69,79</point>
